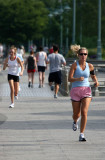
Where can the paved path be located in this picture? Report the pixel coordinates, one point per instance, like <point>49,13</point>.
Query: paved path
<point>40,127</point>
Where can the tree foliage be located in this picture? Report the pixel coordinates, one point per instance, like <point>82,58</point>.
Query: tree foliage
<point>21,20</point>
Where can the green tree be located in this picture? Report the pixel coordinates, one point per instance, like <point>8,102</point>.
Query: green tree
<point>22,20</point>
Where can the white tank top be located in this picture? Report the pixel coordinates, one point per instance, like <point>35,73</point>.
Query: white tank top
<point>13,67</point>
<point>41,58</point>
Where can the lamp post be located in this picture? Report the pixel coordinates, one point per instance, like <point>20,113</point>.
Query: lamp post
<point>67,8</point>
<point>74,21</point>
<point>81,3</point>
<point>59,12</point>
<point>61,28</point>
<point>56,13</point>
<point>50,15</point>
<point>99,55</point>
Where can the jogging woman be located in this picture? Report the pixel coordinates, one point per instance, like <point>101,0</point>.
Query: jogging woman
<point>13,65</point>
<point>81,91</point>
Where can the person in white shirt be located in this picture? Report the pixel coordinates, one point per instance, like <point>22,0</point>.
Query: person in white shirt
<point>21,51</point>
<point>13,63</point>
<point>1,50</point>
<point>22,60</point>
<point>41,58</point>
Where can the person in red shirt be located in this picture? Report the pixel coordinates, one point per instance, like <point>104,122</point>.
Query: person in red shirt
<point>51,50</point>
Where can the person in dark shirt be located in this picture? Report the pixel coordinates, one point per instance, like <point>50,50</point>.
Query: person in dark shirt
<point>31,68</point>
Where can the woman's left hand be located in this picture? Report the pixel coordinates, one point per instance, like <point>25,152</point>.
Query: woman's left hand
<point>21,73</point>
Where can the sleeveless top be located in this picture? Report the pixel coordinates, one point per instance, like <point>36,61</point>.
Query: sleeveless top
<point>31,63</point>
<point>81,73</point>
<point>13,67</point>
<point>41,59</point>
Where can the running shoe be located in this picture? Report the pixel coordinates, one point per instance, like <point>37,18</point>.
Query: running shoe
<point>11,105</point>
<point>52,88</point>
<point>55,96</point>
<point>32,86</point>
<point>16,97</point>
<point>82,139</point>
<point>74,126</point>
<point>43,85</point>
<point>39,86</point>
<point>29,84</point>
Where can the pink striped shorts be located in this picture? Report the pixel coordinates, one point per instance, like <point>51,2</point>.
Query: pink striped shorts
<point>78,93</point>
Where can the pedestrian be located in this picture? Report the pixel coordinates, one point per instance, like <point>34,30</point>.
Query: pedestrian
<point>21,51</point>
<point>55,60</point>
<point>1,50</point>
<point>51,50</point>
<point>31,68</point>
<point>41,57</point>
<point>22,61</point>
<point>80,92</point>
<point>13,63</point>
<point>34,48</point>
<point>46,49</point>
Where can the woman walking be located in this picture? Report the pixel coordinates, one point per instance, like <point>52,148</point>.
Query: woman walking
<point>13,63</point>
<point>81,91</point>
<point>31,66</point>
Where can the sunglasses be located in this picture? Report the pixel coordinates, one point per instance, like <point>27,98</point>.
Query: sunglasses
<point>81,54</point>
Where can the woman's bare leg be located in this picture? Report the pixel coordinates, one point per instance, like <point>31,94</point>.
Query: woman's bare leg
<point>43,77</point>
<point>40,78</point>
<point>76,110</point>
<point>11,84</point>
<point>32,75</point>
<point>16,87</point>
<point>84,110</point>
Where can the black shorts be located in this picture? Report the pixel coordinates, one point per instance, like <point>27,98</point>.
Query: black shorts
<point>55,77</point>
<point>14,78</point>
<point>41,68</point>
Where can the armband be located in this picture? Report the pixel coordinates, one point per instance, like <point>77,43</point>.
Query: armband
<point>92,72</point>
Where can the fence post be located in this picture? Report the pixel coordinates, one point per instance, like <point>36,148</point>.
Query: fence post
<point>64,87</point>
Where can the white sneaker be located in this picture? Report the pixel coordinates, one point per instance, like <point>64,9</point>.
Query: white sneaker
<point>82,138</point>
<point>43,85</point>
<point>16,97</point>
<point>11,105</point>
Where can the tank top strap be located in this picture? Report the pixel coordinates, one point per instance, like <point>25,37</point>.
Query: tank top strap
<point>77,63</point>
<point>87,64</point>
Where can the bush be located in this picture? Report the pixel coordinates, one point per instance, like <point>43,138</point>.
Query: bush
<point>70,54</point>
<point>92,53</point>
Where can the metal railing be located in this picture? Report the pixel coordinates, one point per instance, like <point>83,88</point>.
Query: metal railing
<point>66,86</point>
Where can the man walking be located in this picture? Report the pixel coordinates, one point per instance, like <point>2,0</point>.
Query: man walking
<point>55,60</point>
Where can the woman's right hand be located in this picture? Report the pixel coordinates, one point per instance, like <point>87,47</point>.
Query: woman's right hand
<point>81,79</point>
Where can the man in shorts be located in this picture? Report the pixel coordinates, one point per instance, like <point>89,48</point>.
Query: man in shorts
<point>55,60</point>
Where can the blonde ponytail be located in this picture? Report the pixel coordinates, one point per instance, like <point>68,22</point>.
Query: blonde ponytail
<point>75,48</point>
